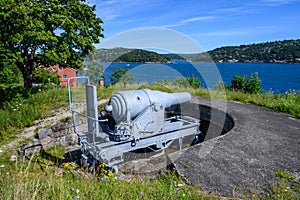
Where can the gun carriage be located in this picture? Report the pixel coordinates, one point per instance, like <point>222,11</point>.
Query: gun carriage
<point>132,120</point>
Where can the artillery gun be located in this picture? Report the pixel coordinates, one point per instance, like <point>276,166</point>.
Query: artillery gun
<point>132,120</point>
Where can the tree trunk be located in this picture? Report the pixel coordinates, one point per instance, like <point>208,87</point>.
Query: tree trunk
<point>27,75</point>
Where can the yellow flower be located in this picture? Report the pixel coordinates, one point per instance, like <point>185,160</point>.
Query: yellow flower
<point>73,165</point>
<point>66,165</point>
<point>110,174</point>
<point>183,195</point>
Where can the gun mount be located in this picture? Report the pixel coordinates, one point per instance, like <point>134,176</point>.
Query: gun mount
<point>133,120</point>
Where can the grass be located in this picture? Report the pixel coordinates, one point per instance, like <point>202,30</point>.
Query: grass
<point>21,113</point>
<point>38,178</point>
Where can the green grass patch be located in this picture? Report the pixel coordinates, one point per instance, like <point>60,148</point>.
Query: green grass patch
<point>21,113</point>
<point>37,178</point>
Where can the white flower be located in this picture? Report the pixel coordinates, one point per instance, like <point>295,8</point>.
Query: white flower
<point>13,158</point>
<point>1,166</point>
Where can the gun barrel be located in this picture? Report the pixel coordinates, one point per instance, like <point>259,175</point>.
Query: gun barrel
<point>135,101</point>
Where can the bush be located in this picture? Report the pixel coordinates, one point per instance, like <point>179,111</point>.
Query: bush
<point>194,81</point>
<point>245,85</point>
<point>45,76</point>
<point>238,83</point>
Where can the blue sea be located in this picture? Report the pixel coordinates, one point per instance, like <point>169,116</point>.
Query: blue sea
<point>274,77</point>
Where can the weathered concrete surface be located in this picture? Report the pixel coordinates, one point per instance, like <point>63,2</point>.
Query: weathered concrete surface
<point>243,160</point>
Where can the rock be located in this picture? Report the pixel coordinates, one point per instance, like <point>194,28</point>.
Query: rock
<point>151,165</point>
<point>59,126</point>
<point>71,139</point>
<point>44,132</point>
<point>30,148</point>
<point>60,133</point>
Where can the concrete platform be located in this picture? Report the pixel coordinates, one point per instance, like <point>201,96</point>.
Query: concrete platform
<point>243,160</point>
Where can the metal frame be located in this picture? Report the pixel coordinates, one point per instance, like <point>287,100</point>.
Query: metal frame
<point>97,145</point>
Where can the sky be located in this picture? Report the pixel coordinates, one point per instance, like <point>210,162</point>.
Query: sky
<point>207,23</point>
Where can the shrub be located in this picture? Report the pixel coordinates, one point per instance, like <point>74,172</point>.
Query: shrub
<point>194,81</point>
<point>253,86</point>
<point>238,83</point>
<point>44,76</point>
<point>246,85</point>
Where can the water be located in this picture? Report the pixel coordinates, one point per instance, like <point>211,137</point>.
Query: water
<point>274,77</point>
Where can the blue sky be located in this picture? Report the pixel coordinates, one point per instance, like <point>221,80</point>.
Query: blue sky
<point>210,24</point>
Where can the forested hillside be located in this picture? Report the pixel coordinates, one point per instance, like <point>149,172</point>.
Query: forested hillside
<point>286,51</point>
<point>129,55</point>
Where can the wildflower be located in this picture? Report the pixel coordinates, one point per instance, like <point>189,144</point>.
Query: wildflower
<point>180,185</point>
<point>1,166</point>
<point>73,165</point>
<point>1,150</point>
<point>176,189</point>
<point>71,188</point>
<point>110,174</point>
<point>76,197</point>
<point>126,192</point>
<point>66,165</point>
<point>141,193</point>
<point>13,158</point>
<point>183,195</point>
<point>77,191</point>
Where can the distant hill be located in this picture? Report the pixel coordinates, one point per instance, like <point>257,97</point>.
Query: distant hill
<point>129,55</point>
<point>142,56</point>
<point>286,51</point>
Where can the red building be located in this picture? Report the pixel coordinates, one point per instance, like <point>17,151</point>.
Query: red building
<point>64,74</point>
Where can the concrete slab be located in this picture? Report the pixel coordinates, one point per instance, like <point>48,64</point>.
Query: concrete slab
<point>245,159</point>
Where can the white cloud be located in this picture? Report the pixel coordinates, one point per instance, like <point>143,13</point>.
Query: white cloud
<point>189,20</point>
<point>194,19</point>
<point>240,32</point>
<point>278,2</point>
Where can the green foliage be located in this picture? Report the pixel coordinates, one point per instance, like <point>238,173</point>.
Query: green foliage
<point>286,50</point>
<point>142,56</point>
<point>41,33</point>
<point>155,86</point>
<point>56,152</point>
<point>194,81</point>
<point>220,86</point>
<point>123,76</point>
<point>44,76</point>
<point>284,175</point>
<point>238,83</point>
<point>9,75</point>
<point>286,188</point>
<point>243,84</point>
<point>253,85</point>
<point>19,113</point>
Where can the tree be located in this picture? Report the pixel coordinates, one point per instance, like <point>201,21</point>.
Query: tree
<point>123,76</point>
<point>42,33</point>
<point>92,68</point>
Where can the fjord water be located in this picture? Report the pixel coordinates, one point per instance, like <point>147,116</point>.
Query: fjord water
<point>274,77</point>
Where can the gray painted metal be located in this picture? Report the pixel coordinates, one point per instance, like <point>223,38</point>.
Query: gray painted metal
<point>138,120</point>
